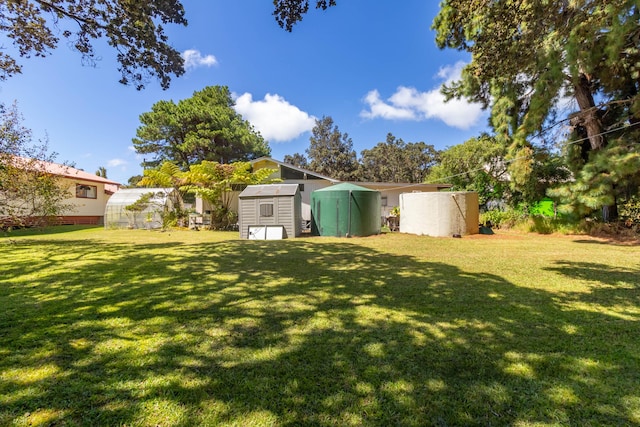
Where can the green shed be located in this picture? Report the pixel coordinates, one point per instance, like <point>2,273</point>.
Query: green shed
<point>345,210</point>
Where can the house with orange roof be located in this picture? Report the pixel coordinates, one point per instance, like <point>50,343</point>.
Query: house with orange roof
<point>88,193</point>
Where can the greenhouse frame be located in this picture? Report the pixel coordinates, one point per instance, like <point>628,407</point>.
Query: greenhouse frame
<point>122,212</point>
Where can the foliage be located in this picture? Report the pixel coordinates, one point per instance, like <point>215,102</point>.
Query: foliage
<point>630,211</point>
<point>134,29</point>
<point>143,203</point>
<point>476,165</point>
<point>102,172</point>
<point>586,51</point>
<point>214,182</point>
<point>548,225</point>
<point>533,177</point>
<point>203,127</point>
<point>125,327</point>
<point>297,160</point>
<point>608,176</point>
<point>29,194</point>
<point>289,12</point>
<point>397,161</point>
<point>331,152</point>
<point>169,175</point>
<point>133,181</point>
<point>503,218</point>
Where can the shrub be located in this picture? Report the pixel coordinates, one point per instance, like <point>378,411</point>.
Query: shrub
<point>544,225</point>
<point>629,211</point>
<point>502,219</point>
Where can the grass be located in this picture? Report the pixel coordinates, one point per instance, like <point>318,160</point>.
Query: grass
<point>139,328</point>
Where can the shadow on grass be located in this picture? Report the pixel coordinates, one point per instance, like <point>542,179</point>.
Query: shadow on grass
<point>613,241</point>
<point>46,230</point>
<point>299,333</point>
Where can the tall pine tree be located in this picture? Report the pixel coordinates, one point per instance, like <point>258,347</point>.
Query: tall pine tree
<point>331,152</point>
<point>529,55</point>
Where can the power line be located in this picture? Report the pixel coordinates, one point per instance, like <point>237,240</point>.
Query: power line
<point>507,162</point>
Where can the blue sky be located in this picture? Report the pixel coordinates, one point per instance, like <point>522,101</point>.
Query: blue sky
<point>371,65</point>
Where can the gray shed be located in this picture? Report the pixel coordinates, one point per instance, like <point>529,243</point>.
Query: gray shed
<point>270,211</point>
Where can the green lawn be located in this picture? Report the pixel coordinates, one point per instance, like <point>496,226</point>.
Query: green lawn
<point>181,328</point>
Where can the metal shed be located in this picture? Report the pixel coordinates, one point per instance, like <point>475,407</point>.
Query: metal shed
<point>270,211</point>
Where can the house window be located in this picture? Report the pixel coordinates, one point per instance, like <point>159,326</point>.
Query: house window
<point>266,209</point>
<point>86,191</point>
<point>383,201</point>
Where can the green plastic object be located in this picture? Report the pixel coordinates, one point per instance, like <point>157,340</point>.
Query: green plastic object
<point>544,207</point>
<point>345,210</point>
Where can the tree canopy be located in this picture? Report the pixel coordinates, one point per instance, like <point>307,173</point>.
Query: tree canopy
<point>529,57</point>
<point>203,127</point>
<point>397,161</point>
<point>290,12</point>
<point>297,159</point>
<point>476,165</point>
<point>29,195</point>
<point>135,29</point>
<point>331,152</point>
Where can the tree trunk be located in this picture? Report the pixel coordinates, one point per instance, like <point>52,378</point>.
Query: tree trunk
<point>588,113</point>
<point>589,120</point>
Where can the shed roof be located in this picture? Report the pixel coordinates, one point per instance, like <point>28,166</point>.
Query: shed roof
<point>269,190</point>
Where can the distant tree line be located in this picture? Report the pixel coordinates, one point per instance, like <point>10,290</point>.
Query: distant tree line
<point>331,153</point>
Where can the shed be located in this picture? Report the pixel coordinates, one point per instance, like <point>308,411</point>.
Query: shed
<point>345,210</point>
<point>439,214</point>
<point>270,211</point>
<point>122,211</point>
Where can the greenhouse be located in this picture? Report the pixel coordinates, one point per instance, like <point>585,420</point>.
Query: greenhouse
<point>139,208</point>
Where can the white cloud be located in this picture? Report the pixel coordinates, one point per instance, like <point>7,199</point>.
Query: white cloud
<point>378,108</point>
<point>451,73</point>
<point>114,163</point>
<point>274,117</point>
<point>193,59</point>
<point>407,103</point>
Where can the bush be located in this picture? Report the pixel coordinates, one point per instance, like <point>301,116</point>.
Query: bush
<point>544,225</point>
<point>502,219</point>
<point>629,211</point>
<point>224,219</point>
<point>169,219</point>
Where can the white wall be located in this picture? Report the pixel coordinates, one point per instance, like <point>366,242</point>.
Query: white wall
<point>440,214</point>
<point>85,206</point>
